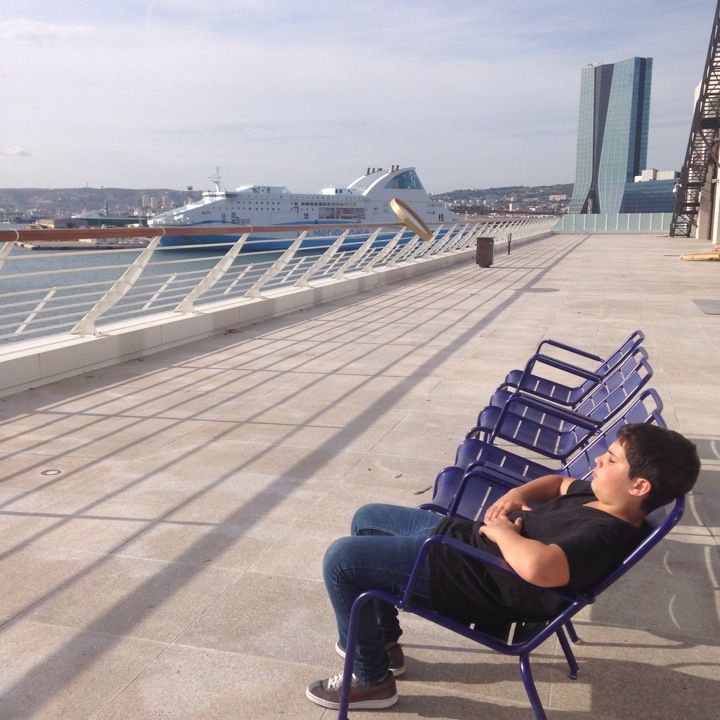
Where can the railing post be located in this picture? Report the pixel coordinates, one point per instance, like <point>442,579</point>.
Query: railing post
<point>187,304</point>
<point>357,254</point>
<point>468,240</point>
<point>410,248</point>
<point>385,251</point>
<point>403,250</point>
<point>323,259</point>
<point>31,316</point>
<point>6,249</point>
<point>428,247</point>
<point>417,246</point>
<point>276,267</point>
<point>239,277</point>
<point>160,291</point>
<point>117,292</point>
<point>448,242</point>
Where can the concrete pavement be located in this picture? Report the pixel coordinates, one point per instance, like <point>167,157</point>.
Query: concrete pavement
<point>163,521</point>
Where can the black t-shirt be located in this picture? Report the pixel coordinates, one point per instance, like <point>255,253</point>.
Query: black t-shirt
<point>594,542</point>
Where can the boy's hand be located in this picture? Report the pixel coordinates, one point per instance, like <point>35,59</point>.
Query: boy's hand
<point>496,527</point>
<point>510,501</point>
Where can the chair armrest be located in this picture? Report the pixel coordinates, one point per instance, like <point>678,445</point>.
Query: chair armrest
<point>568,348</point>
<point>559,365</point>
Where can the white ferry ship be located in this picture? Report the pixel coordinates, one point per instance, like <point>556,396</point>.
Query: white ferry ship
<point>363,201</point>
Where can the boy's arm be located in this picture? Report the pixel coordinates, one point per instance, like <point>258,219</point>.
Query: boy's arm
<point>534,561</point>
<point>539,490</point>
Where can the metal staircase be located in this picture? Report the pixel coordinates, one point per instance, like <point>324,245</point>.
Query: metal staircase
<point>702,146</point>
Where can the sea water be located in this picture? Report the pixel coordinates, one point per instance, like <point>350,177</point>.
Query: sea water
<point>60,286</point>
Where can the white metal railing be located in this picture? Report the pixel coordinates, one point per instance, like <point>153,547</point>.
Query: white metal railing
<point>44,293</point>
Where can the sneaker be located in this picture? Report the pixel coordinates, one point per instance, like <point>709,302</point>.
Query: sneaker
<point>394,651</point>
<point>363,696</point>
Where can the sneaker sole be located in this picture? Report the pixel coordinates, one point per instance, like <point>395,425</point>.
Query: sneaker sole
<point>397,672</point>
<point>357,705</point>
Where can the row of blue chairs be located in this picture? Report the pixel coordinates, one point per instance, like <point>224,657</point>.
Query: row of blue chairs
<point>567,424</point>
<point>528,420</point>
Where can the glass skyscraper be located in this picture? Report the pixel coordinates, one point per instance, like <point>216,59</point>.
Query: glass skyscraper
<point>612,135</point>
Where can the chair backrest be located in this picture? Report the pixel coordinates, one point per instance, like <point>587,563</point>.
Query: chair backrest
<point>605,410</point>
<point>622,352</point>
<point>615,361</point>
<point>618,386</point>
<point>646,408</point>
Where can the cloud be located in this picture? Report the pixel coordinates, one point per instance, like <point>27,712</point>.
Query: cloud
<point>15,152</point>
<point>473,94</point>
<point>24,30</point>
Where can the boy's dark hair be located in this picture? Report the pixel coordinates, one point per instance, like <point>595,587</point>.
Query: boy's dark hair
<point>664,457</point>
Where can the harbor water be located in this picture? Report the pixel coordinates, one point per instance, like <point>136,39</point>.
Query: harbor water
<point>55,288</point>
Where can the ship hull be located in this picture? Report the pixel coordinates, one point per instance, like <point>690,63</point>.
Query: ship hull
<point>268,242</point>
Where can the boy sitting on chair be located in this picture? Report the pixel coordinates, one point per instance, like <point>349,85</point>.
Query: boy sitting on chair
<point>576,534</point>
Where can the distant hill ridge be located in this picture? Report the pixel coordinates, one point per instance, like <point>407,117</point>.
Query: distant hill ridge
<point>518,191</point>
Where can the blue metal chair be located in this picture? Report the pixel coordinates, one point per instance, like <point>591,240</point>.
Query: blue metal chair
<point>450,484</point>
<point>621,373</point>
<point>529,381</point>
<point>554,431</point>
<point>527,637</point>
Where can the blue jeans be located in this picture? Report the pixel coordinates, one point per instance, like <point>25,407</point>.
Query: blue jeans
<point>380,554</point>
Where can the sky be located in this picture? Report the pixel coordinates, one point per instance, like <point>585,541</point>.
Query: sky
<point>309,93</point>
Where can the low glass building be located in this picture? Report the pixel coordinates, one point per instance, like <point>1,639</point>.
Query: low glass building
<point>655,196</point>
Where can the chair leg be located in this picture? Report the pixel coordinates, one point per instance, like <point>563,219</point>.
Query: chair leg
<point>350,654</point>
<point>530,689</point>
<point>571,631</point>
<point>348,668</point>
<point>569,654</point>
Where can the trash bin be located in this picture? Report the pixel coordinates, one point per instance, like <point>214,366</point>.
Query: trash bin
<point>484,251</point>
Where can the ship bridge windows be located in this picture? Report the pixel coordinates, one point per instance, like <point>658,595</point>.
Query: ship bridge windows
<point>341,213</point>
<point>407,180</point>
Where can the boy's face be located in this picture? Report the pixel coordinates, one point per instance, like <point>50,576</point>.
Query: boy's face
<point>611,476</point>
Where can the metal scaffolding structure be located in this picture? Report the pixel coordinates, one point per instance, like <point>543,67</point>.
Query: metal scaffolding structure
<point>702,148</point>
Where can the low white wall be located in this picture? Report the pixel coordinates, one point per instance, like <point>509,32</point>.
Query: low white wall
<point>32,363</point>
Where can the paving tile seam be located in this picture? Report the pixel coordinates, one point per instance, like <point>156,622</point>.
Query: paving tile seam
<point>109,518</point>
<point>163,644</point>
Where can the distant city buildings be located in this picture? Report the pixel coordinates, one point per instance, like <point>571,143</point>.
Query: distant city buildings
<point>613,140</point>
<point>517,199</point>
<point>94,205</point>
